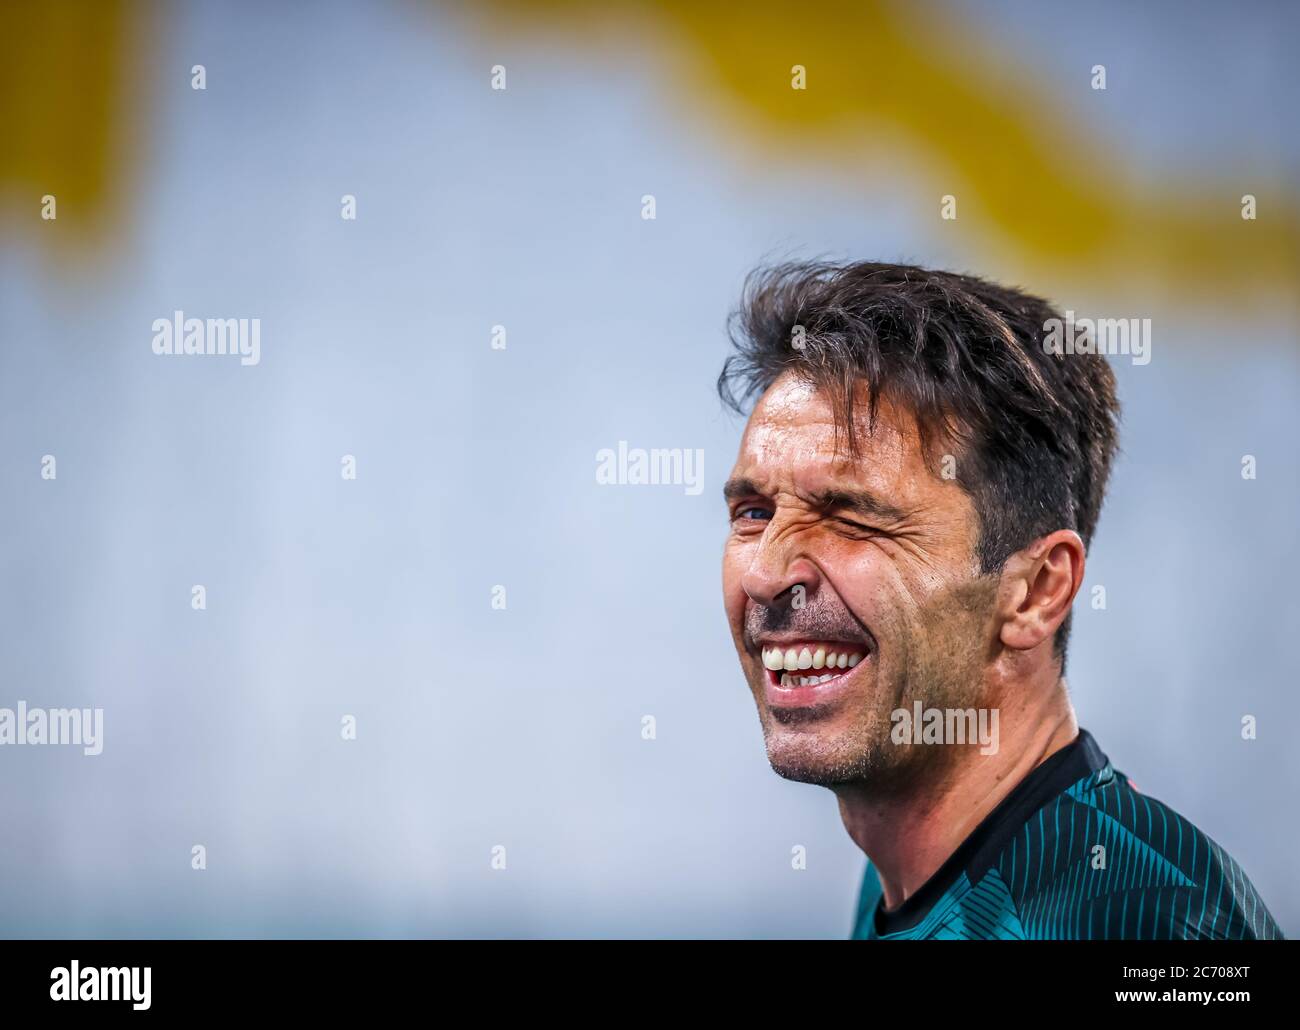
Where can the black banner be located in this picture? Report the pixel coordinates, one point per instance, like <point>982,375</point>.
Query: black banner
<point>152,979</point>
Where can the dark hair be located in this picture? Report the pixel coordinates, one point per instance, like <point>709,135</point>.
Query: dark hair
<point>1037,430</point>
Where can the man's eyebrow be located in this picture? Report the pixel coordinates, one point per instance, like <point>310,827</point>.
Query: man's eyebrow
<point>741,487</point>
<point>862,502</point>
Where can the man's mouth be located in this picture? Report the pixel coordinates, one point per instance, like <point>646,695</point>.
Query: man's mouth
<point>811,663</point>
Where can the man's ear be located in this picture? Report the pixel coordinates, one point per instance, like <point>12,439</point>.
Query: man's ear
<point>1037,588</point>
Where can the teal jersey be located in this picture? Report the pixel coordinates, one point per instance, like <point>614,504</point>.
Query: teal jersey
<point>1076,852</point>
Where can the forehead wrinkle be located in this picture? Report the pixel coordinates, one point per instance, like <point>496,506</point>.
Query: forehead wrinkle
<point>789,458</point>
<point>791,413</point>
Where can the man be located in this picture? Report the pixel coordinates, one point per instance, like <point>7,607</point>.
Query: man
<point>915,490</point>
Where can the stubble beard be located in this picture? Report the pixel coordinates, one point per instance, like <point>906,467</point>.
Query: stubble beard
<point>937,658</point>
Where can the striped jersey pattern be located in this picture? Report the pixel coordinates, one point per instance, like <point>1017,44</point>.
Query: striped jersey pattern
<point>1076,852</point>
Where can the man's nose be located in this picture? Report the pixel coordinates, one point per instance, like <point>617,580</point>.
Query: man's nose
<point>775,577</point>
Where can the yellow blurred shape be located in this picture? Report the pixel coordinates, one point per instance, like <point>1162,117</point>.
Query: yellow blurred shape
<point>913,88</point>
<point>62,86</point>
<point>1033,182</point>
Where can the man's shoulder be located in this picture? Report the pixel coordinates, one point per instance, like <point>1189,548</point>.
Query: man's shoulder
<point>1092,857</point>
<point>1104,860</point>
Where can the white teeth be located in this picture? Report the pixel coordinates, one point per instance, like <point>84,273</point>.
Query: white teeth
<point>804,681</point>
<point>793,660</point>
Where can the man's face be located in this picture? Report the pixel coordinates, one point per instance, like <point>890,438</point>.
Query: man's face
<point>872,562</point>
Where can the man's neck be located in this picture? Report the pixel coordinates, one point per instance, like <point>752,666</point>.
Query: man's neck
<point>908,838</point>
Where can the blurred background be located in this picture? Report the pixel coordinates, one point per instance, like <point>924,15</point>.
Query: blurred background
<point>523,208</point>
